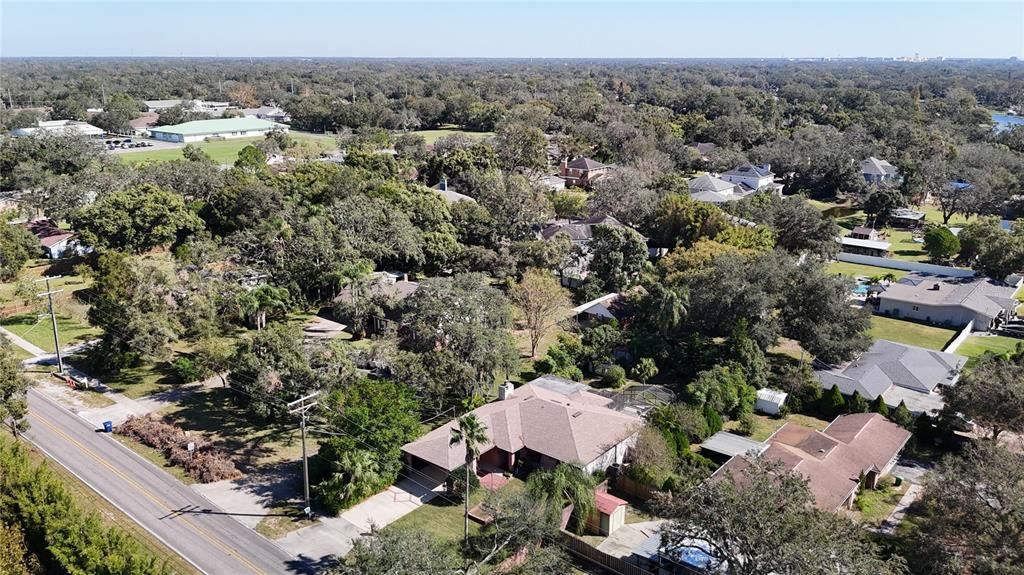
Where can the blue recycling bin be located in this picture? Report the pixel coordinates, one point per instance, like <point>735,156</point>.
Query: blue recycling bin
<point>108,426</point>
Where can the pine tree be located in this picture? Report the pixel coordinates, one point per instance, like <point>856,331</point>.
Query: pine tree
<point>713,418</point>
<point>902,416</point>
<point>878,406</point>
<point>833,402</point>
<point>857,403</point>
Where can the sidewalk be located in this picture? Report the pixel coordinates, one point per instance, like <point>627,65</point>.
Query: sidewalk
<point>888,527</point>
<point>23,344</point>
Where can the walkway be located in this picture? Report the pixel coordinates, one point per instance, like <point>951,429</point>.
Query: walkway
<point>888,527</point>
<point>23,344</point>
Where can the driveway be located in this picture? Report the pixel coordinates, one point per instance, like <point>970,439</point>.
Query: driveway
<point>912,470</point>
<point>397,501</point>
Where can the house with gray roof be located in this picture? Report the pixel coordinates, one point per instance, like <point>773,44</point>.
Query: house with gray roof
<point>753,178</point>
<point>877,171</point>
<point>709,188</point>
<point>449,195</point>
<point>896,372</point>
<point>949,301</point>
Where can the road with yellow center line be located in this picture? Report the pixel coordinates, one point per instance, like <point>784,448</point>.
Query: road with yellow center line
<point>183,519</point>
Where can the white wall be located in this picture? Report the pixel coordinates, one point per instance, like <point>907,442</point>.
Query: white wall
<point>614,455</point>
<point>228,135</point>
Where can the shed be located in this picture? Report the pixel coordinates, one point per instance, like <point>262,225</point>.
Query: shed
<point>610,513</point>
<point>770,401</point>
<point>730,444</point>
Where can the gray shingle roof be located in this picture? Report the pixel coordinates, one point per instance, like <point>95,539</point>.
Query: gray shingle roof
<point>750,170</point>
<point>585,164</point>
<point>887,364</point>
<point>980,295</point>
<point>707,182</point>
<point>876,167</point>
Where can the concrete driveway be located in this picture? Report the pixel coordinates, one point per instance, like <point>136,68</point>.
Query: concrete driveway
<point>911,470</point>
<point>397,501</point>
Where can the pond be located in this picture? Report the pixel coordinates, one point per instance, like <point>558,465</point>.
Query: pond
<point>1006,121</point>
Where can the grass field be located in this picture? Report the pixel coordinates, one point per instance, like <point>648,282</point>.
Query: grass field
<point>765,425</point>
<point>975,346</point>
<point>860,270</point>
<point>443,518</point>
<point>875,505</point>
<point>910,333</point>
<point>216,414</point>
<point>39,330</point>
<point>222,151</point>
<point>432,136</point>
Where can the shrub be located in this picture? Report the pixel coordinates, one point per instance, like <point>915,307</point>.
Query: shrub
<point>615,376</point>
<point>186,370</point>
<point>455,483</point>
<point>206,464</point>
<point>644,370</point>
<point>713,418</point>
<point>746,426</point>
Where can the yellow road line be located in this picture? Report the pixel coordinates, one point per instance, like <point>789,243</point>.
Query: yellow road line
<point>149,495</point>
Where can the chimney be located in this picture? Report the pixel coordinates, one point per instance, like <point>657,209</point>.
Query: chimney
<point>564,171</point>
<point>506,390</point>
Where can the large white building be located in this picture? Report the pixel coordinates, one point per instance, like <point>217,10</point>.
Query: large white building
<point>226,128</point>
<point>71,127</point>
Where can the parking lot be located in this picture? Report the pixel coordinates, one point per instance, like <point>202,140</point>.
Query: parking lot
<point>128,145</point>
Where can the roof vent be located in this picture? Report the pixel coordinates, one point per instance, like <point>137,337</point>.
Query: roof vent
<point>577,414</point>
<point>935,287</point>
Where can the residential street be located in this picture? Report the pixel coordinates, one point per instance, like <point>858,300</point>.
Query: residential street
<point>186,521</point>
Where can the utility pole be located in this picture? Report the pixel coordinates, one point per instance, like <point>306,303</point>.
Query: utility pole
<point>302,406</point>
<point>53,320</point>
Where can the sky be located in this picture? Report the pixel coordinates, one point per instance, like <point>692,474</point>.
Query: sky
<point>508,29</point>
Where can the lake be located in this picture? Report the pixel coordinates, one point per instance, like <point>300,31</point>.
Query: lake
<point>1006,121</point>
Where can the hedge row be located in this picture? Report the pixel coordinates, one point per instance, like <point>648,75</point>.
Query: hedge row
<point>65,537</point>
<point>206,464</point>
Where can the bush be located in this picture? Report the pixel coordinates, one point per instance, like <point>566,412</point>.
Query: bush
<point>206,464</point>
<point>66,538</point>
<point>615,376</point>
<point>186,370</point>
<point>746,426</point>
<point>455,483</point>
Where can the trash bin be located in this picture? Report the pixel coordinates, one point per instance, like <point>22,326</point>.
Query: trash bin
<point>898,481</point>
<point>108,426</point>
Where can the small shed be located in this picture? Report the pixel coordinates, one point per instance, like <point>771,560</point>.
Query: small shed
<point>770,401</point>
<point>602,308</point>
<point>610,513</point>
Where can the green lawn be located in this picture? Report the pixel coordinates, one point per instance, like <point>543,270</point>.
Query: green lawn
<point>139,381</point>
<point>860,270</point>
<point>765,425</point>
<point>910,333</point>
<point>39,330</point>
<point>222,151</point>
<point>443,518</point>
<point>432,136</point>
<point>975,346</point>
<point>876,505</point>
<point>218,415</point>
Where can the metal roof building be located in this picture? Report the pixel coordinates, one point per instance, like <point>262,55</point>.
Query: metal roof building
<point>225,128</point>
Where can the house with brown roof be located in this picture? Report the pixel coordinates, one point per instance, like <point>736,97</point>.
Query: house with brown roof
<point>548,421</point>
<point>53,240</point>
<point>854,450</point>
<point>582,171</point>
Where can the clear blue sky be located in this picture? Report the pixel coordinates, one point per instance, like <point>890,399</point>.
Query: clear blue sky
<point>489,28</point>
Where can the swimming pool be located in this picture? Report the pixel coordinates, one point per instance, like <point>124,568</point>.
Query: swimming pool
<point>861,288</point>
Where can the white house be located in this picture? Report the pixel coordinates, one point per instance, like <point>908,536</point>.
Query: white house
<point>708,188</point>
<point>753,178</point>
<point>225,128</point>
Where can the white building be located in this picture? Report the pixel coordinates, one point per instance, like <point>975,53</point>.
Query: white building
<point>226,128</point>
<point>770,401</point>
<point>753,178</point>
<point>67,127</point>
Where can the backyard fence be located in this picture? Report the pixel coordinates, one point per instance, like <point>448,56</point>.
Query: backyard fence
<point>905,265</point>
<point>960,337</point>
<point>582,549</point>
<point>633,488</point>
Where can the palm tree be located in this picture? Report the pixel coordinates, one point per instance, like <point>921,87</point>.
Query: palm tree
<point>257,302</point>
<point>564,485</point>
<point>472,433</point>
<point>670,309</point>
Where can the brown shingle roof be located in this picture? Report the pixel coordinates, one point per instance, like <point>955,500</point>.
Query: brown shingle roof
<point>832,460</point>
<point>572,429</point>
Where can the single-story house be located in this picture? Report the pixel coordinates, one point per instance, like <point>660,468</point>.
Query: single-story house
<point>897,372</point>
<point>272,113</point>
<point>770,400</point>
<point>53,240</point>
<point>865,233</point>
<point>753,178</point>
<point>907,218</point>
<point>949,301</point>
<point>877,171</point>
<point>552,182</point>
<point>582,171</point>
<point>606,307</point>
<point>67,127</point>
<point>392,288</point>
<point>226,128</point>
<point>450,196</point>
<point>545,422</point>
<point>875,248</point>
<point>855,447</point>
<point>704,148</point>
<point>579,231</point>
<point>709,188</point>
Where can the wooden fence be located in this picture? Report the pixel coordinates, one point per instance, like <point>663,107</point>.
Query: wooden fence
<point>583,550</point>
<point>632,488</point>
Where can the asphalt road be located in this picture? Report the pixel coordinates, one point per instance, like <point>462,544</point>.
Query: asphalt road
<point>184,520</point>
